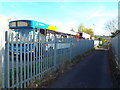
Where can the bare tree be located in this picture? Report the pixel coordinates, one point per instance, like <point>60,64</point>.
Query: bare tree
<point>112,25</point>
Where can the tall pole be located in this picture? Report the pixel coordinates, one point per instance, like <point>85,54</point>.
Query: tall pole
<point>119,15</point>
<point>94,27</point>
<point>119,34</point>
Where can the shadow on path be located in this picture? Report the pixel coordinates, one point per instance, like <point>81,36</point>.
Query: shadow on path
<point>92,72</point>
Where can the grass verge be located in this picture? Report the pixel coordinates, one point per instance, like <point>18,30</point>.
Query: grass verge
<point>115,69</point>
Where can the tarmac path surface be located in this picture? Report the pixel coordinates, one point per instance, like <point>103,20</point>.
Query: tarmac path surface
<point>92,72</point>
<point>0,60</point>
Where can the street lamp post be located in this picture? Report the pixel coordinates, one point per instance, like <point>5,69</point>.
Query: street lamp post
<point>94,27</point>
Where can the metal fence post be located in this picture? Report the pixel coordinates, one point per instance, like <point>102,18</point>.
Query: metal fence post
<point>27,71</point>
<point>70,48</point>
<point>3,62</point>
<point>55,48</point>
<point>92,44</point>
<point>119,49</point>
<point>6,62</point>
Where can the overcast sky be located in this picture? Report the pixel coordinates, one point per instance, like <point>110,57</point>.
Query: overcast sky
<point>65,15</point>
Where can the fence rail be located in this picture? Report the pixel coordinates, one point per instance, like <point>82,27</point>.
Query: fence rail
<point>26,59</point>
<point>115,42</point>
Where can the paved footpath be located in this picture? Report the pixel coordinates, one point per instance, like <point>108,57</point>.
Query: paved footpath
<point>0,69</point>
<point>92,72</point>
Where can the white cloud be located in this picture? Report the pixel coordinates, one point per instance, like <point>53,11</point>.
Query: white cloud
<point>101,11</point>
<point>62,6</point>
<point>98,14</point>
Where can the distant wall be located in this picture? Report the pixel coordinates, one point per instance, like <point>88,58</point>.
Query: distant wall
<point>96,42</point>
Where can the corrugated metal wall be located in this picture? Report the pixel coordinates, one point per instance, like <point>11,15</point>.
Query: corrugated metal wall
<point>27,58</point>
<point>115,42</point>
